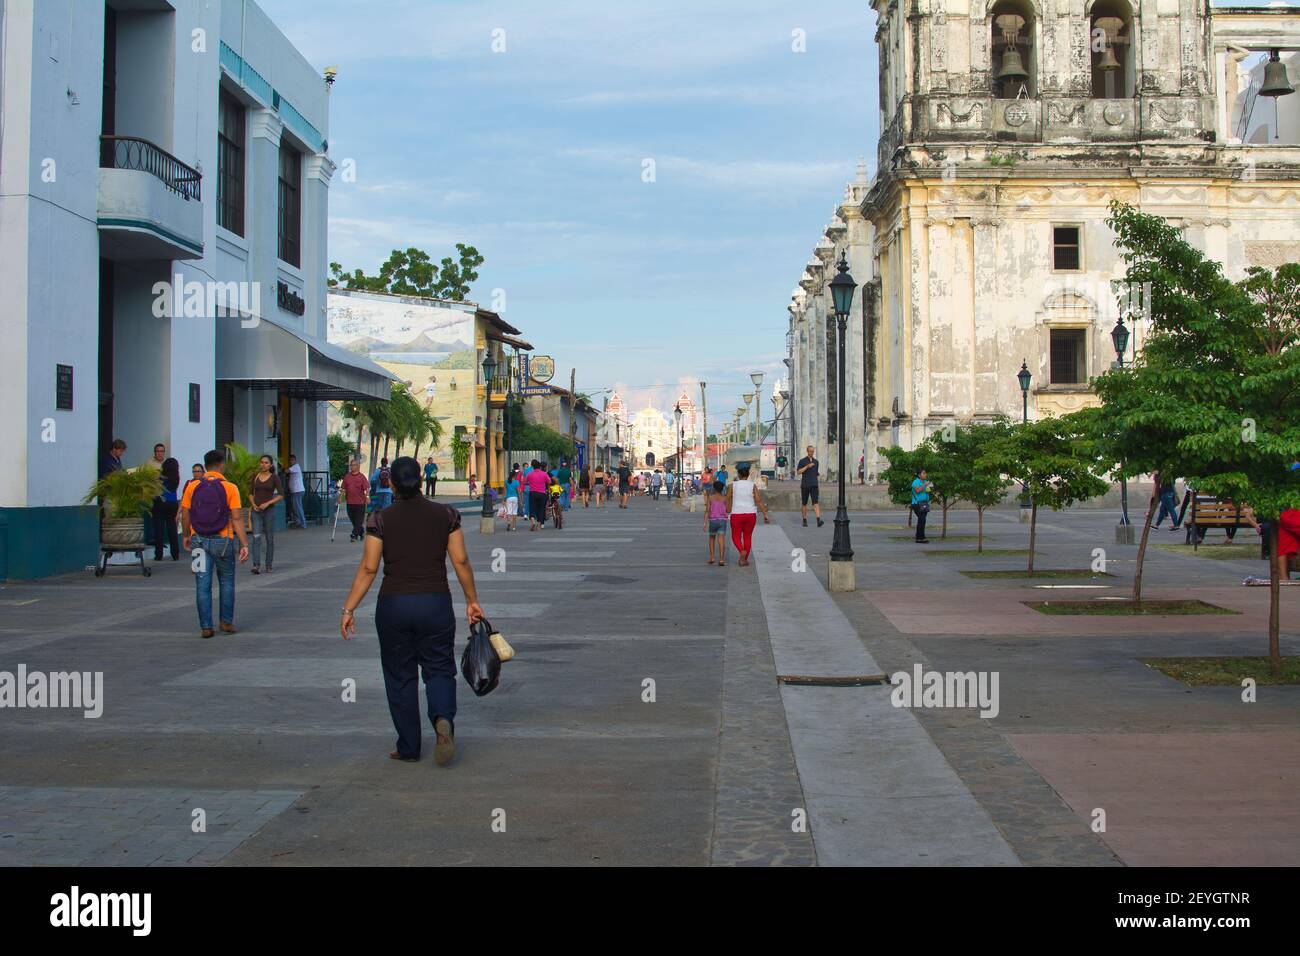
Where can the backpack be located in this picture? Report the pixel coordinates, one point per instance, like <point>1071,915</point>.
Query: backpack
<point>383,478</point>
<point>209,508</point>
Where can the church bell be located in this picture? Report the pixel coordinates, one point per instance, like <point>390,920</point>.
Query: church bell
<point>1275,78</point>
<point>1108,61</point>
<point>1012,68</point>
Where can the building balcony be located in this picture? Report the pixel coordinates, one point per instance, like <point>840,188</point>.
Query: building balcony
<point>150,203</point>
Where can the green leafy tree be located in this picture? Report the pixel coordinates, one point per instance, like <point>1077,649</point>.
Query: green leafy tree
<point>1056,458</point>
<point>413,272</point>
<point>339,452</point>
<point>964,473</point>
<point>1218,377</point>
<point>901,471</point>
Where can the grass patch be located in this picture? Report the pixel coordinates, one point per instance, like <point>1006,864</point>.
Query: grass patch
<point>951,537</point>
<point>972,553</point>
<point>886,527</point>
<point>1224,671</point>
<point>1047,574</point>
<point>1127,608</point>
<point>1219,552</point>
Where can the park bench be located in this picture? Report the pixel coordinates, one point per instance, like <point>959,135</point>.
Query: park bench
<point>1210,512</point>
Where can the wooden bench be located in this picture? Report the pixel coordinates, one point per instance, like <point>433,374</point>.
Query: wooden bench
<point>1209,512</point>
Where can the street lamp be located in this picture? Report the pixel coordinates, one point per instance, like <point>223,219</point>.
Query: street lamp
<point>677,418</point>
<point>757,379</point>
<point>1119,337</point>
<point>744,421</point>
<point>1024,376</point>
<point>489,371</point>
<point>842,289</point>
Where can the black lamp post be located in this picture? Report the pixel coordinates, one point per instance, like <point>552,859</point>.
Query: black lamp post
<point>1024,376</point>
<point>1119,337</point>
<point>489,370</point>
<point>677,417</point>
<point>842,289</point>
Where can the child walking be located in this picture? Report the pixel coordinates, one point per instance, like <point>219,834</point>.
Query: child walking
<point>715,523</point>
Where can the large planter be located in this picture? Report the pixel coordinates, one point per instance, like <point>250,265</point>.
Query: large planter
<point>122,534</point>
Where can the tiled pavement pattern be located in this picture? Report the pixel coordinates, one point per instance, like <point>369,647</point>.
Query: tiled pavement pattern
<point>585,770</point>
<point>130,826</point>
<point>757,782</point>
<point>1065,680</point>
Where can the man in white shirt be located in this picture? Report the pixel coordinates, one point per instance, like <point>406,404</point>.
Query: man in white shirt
<point>296,491</point>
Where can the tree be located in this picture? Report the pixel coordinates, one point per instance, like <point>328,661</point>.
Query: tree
<point>902,470</point>
<point>339,452</point>
<point>1056,458</point>
<point>965,472</point>
<point>1219,375</point>
<point>413,272</point>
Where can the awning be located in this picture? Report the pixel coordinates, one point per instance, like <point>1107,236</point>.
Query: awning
<point>271,356</point>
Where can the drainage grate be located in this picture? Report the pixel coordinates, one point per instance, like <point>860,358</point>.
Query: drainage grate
<point>861,680</point>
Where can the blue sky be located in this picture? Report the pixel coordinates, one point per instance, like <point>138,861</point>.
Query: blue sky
<point>535,156</point>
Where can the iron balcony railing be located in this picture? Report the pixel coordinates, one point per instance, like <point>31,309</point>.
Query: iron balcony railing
<point>132,152</point>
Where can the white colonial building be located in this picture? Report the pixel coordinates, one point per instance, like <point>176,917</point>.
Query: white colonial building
<point>980,243</point>
<point>164,187</point>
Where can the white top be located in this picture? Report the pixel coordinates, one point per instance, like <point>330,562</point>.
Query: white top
<point>295,479</point>
<point>742,497</point>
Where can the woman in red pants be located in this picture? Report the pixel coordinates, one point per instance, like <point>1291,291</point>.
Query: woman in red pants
<point>744,502</point>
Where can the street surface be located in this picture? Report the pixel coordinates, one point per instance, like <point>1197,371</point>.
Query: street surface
<point>642,722</point>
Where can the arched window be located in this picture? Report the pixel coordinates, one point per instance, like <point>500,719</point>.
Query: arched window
<point>1111,42</point>
<point>1015,56</point>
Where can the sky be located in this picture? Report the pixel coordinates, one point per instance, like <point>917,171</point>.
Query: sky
<point>536,155</point>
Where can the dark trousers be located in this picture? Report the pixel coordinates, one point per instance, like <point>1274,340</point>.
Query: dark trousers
<point>920,521</point>
<point>164,528</point>
<point>430,486</point>
<point>417,631</point>
<point>357,515</point>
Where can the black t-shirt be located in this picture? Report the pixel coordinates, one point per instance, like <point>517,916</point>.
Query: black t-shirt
<point>624,475</point>
<point>415,533</point>
<point>809,477</point>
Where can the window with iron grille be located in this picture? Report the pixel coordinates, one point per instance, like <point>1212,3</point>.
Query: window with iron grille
<point>230,164</point>
<point>290,212</point>
<point>1065,249</point>
<point>1068,356</point>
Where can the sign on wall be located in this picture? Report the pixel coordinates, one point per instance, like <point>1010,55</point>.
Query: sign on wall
<point>194,401</point>
<point>63,388</point>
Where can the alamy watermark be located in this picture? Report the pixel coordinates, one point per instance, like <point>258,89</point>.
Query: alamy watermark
<point>74,690</point>
<point>942,689</point>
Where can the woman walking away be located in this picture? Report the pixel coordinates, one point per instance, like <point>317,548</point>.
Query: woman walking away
<point>584,486</point>
<point>536,483</point>
<point>744,502</point>
<point>715,523</point>
<point>165,508</point>
<point>413,538</point>
<point>512,501</point>
<point>598,485</point>
<point>267,492</point>
<point>921,487</point>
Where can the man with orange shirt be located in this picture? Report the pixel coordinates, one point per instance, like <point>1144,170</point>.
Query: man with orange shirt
<point>208,511</point>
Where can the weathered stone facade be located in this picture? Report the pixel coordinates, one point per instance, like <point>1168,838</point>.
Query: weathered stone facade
<point>981,241</point>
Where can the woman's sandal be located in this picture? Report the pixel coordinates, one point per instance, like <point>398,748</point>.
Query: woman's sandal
<point>394,755</point>
<point>256,569</point>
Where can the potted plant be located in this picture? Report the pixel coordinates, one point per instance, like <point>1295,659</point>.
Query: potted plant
<point>126,494</point>
<point>241,466</point>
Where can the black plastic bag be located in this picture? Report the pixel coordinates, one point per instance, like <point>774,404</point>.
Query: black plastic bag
<point>479,664</point>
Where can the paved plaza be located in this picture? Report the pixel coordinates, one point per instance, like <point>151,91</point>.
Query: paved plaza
<point>643,721</point>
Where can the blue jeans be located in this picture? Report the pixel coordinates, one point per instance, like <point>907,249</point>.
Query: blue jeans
<point>417,636</point>
<point>1168,506</point>
<point>263,528</point>
<point>295,509</point>
<point>219,556</point>
<point>564,498</point>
